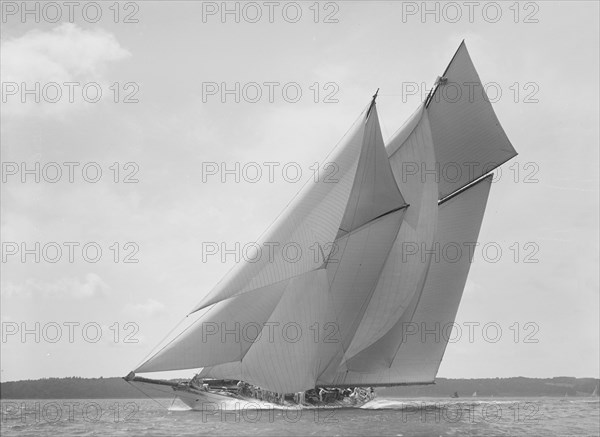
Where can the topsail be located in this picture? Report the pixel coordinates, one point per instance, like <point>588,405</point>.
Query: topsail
<point>344,308</point>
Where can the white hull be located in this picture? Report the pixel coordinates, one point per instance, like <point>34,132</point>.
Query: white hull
<point>210,401</point>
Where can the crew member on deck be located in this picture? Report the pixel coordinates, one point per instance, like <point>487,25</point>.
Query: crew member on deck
<point>196,382</point>
<point>321,392</point>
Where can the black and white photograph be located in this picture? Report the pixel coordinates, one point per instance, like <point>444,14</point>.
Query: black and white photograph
<point>300,218</point>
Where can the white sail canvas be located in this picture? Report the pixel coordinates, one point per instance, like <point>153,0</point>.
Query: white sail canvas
<point>375,279</point>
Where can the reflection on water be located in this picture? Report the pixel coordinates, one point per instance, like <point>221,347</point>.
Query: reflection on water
<point>551,417</point>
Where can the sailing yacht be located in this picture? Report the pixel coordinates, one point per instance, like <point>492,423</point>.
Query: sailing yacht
<point>349,313</point>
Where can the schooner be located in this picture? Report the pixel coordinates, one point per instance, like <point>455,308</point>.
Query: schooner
<point>352,312</point>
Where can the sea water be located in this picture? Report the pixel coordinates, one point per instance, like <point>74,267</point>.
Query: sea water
<point>551,417</point>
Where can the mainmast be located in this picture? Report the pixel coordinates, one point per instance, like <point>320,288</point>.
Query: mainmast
<point>372,103</point>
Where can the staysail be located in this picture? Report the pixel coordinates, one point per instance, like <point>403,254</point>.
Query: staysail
<point>351,307</point>
<point>402,275</point>
<point>292,245</point>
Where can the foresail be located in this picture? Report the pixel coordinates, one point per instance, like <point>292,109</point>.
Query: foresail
<point>402,273</point>
<point>231,370</point>
<point>354,276</point>
<point>300,239</point>
<point>286,358</point>
<point>469,140</point>
<point>223,334</point>
<point>416,356</point>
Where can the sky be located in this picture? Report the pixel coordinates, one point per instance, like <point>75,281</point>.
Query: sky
<point>119,230</point>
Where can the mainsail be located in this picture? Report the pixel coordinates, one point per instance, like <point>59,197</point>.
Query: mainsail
<point>350,306</point>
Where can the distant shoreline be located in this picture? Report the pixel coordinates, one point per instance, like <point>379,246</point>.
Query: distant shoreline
<point>116,388</point>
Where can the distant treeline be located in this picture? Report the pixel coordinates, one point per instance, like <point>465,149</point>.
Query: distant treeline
<point>70,388</point>
<point>514,387</point>
<point>116,388</point>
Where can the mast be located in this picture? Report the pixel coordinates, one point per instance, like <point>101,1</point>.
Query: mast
<point>372,103</point>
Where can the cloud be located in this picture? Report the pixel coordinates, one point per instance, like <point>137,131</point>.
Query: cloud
<point>66,53</point>
<point>91,286</point>
<point>150,308</point>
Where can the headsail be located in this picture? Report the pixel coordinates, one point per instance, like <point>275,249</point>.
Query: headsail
<point>202,343</point>
<point>311,221</point>
<point>286,357</point>
<point>402,275</point>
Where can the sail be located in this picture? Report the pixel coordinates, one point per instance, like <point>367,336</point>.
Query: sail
<point>469,140</point>
<point>416,345</point>
<point>322,309</point>
<point>285,359</point>
<point>334,290</point>
<point>402,274</point>
<point>232,370</point>
<point>370,225</point>
<point>222,334</point>
<point>384,257</point>
<point>292,246</point>
<point>375,191</point>
<point>354,278</point>
<point>448,142</point>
